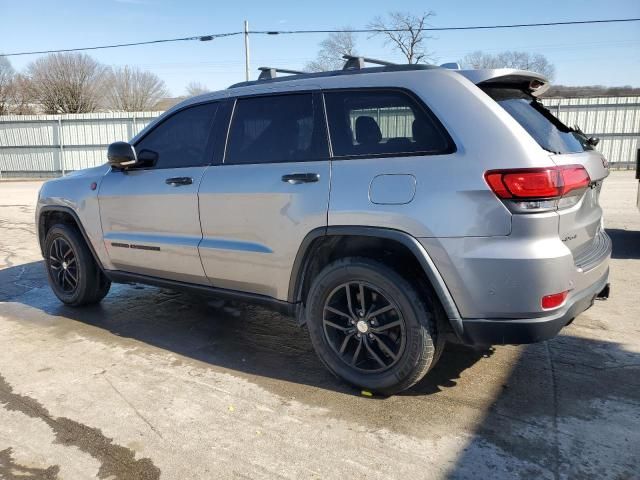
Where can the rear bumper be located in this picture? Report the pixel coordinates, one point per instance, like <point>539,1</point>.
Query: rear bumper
<point>530,330</point>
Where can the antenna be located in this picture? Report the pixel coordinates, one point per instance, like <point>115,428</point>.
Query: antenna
<point>358,63</point>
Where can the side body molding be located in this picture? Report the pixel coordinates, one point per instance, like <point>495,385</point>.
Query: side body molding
<point>438,284</point>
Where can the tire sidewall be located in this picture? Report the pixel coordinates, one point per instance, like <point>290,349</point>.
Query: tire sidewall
<point>82,259</point>
<point>419,344</point>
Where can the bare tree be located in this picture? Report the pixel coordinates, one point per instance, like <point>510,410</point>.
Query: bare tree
<point>67,82</point>
<point>196,88</point>
<point>331,51</point>
<point>130,89</point>
<point>22,100</point>
<point>510,59</point>
<point>7,74</point>
<point>405,32</point>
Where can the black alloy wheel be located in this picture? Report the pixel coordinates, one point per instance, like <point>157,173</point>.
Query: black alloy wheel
<point>63,265</point>
<point>364,327</point>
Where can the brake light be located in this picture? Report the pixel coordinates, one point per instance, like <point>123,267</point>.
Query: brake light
<point>539,188</point>
<point>554,301</point>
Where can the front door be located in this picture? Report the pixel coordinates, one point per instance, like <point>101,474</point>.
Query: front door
<point>271,190</point>
<point>149,213</point>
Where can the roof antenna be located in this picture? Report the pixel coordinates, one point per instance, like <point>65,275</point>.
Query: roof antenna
<point>451,66</point>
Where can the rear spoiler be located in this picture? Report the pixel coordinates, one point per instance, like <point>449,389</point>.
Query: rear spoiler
<point>530,82</point>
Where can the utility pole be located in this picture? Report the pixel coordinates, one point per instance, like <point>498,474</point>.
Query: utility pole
<point>246,50</point>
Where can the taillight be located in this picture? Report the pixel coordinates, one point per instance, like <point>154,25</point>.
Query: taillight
<point>539,189</point>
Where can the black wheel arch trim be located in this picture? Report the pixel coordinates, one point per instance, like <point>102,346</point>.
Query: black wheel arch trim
<point>305,252</point>
<point>68,210</point>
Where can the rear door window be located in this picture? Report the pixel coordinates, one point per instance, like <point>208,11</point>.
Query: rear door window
<point>278,128</point>
<point>546,129</point>
<point>382,123</point>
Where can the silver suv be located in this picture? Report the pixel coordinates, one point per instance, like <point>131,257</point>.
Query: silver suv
<point>388,208</point>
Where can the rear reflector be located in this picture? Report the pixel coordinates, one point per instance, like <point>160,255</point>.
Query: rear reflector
<point>538,183</point>
<point>554,300</point>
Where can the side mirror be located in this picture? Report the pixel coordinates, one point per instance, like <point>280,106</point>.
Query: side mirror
<point>593,141</point>
<point>121,155</point>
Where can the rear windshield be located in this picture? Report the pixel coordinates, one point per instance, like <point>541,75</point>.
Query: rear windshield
<point>550,133</point>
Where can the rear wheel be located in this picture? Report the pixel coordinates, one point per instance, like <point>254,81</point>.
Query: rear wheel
<point>371,326</point>
<point>72,272</point>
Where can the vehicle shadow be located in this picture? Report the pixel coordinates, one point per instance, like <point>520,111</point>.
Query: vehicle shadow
<point>626,243</point>
<point>261,344</point>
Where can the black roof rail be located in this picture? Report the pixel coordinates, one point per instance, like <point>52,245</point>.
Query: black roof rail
<point>296,75</point>
<point>354,62</point>
<point>269,73</point>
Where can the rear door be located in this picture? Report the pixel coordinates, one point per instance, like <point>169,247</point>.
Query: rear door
<point>271,190</point>
<point>149,213</point>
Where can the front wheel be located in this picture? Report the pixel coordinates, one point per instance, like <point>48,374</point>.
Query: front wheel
<point>73,274</point>
<point>372,327</point>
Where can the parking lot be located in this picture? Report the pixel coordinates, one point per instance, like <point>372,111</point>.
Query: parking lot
<point>155,384</point>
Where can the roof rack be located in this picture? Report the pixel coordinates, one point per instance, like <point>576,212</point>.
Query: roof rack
<point>268,77</point>
<point>357,63</point>
<point>269,73</point>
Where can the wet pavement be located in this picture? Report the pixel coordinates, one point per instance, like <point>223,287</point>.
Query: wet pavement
<point>157,384</point>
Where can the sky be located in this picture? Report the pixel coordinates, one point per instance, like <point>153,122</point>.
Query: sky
<point>606,54</point>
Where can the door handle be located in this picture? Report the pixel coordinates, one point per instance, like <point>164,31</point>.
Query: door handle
<point>179,181</point>
<point>297,178</point>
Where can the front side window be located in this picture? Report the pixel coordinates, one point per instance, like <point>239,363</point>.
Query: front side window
<point>379,122</point>
<point>180,140</point>
<point>270,129</point>
<point>546,129</point>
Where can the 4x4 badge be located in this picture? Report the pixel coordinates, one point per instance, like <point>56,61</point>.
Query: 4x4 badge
<point>605,162</point>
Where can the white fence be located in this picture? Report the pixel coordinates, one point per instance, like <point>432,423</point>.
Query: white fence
<point>615,120</point>
<point>50,145</point>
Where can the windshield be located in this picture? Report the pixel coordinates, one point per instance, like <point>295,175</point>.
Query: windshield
<point>550,133</point>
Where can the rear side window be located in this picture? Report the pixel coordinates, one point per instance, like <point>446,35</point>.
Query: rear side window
<point>281,128</point>
<point>181,140</point>
<point>546,129</point>
<point>383,123</point>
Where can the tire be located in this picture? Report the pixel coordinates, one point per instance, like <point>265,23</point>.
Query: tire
<point>408,329</point>
<point>73,273</point>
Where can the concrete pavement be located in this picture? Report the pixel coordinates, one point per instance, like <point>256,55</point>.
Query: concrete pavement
<point>156,384</point>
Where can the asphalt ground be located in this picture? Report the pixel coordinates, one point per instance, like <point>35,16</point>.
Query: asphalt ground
<point>156,384</point>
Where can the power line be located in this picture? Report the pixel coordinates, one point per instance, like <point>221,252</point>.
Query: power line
<point>443,29</point>
<point>296,32</point>
<point>202,38</point>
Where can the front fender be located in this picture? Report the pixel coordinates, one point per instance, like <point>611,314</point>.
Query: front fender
<point>75,195</point>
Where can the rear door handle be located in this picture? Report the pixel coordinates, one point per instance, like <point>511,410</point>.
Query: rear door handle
<point>297,178</point>
<point>178,181</point>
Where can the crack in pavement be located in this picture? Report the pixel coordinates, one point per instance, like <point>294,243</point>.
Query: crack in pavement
<point>135,410</point>
<point>116,461</point>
